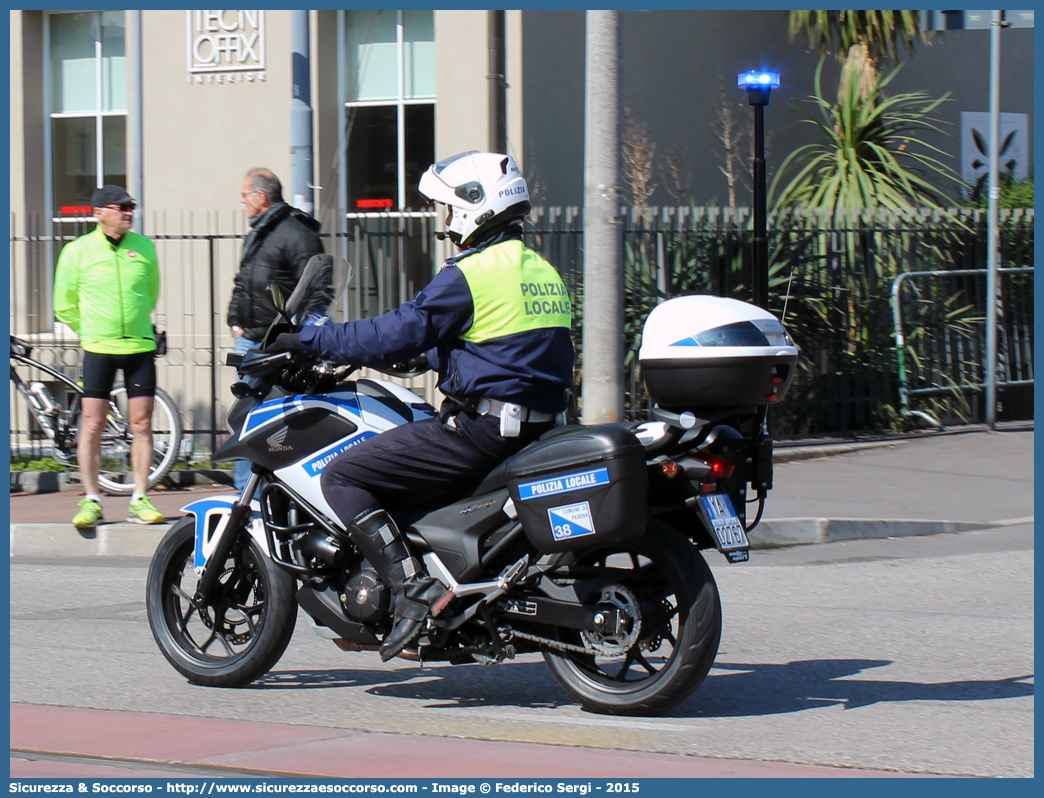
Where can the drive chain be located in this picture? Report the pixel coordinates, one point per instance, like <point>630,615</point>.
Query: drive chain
<point>556,644</point>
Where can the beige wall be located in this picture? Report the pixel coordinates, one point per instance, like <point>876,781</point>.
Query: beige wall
<point>462,86</point>
<point>17,137</point>
<point>27,114</point>
<point>200,139</point>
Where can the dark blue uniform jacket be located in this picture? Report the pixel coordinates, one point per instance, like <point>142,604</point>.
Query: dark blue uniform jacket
<point>532,368</point>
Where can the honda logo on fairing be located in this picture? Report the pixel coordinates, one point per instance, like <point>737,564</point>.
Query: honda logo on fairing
<point>275,441</point>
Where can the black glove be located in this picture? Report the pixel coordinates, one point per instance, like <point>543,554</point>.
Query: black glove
<point>284,342</point>
<point>415,365</point>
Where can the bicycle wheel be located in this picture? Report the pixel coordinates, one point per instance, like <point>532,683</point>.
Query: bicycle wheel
<point>116,476</point>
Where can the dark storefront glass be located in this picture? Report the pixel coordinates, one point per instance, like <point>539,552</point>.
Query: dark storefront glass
<point>75,164</point>
<point>114,150</point>
<point>373,177</point>
<point>420,150</point>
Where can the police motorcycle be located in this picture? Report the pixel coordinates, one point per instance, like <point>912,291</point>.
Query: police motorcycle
<point>585,547</point>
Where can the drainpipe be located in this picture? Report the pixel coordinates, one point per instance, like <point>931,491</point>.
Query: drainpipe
<point>497,84</point>
<point>301,195</point>
<point>136,174</point>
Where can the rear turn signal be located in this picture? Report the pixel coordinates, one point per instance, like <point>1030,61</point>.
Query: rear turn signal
<point>669,469</point>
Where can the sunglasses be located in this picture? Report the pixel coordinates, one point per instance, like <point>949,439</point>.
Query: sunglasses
<point>125,207</point>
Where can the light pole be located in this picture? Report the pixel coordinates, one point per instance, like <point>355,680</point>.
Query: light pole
<point>759,86</point>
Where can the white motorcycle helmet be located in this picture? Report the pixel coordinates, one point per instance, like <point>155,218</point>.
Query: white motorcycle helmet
<point>485,191</point>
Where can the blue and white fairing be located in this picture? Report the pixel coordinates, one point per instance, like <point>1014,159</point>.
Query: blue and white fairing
<point>296,437</point>
<point>211,516</point>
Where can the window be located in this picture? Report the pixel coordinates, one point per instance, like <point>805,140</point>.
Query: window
<point>88,107</point>
<point>390,106</point>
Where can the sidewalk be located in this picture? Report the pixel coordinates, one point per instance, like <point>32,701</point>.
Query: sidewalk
<point>924,484</point>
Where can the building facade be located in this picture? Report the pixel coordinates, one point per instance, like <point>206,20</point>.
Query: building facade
<point>390,92</point>
<point>178,105</point>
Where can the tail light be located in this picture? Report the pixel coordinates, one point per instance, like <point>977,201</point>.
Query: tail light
<point>720,467</point>
<point>699,467</point>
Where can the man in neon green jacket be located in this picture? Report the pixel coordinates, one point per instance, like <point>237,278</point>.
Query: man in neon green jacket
<point>106,286</point>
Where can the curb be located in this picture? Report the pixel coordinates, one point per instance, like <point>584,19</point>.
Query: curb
<point>793,454</point>
<point>781,532</point>
<point>134,540</point>
<point>41,482</point>
<point>63,540</point>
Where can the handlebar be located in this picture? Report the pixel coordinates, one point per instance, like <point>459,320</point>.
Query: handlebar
<point>255,363</point>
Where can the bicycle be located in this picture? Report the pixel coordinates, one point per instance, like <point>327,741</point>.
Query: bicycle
<point>59,420</point>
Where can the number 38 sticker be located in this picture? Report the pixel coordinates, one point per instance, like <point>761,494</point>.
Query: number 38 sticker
<point>571,521</point>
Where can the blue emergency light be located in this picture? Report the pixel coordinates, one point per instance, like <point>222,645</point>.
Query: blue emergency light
<point>755,79</point>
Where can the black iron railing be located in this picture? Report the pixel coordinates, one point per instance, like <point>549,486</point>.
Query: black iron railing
<point>831,285</point>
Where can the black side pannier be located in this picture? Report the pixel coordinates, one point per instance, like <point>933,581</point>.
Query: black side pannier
<point>580,488</point>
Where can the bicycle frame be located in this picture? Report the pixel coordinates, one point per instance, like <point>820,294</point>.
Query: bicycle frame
<point>58,432</point>
<point>62,420</point>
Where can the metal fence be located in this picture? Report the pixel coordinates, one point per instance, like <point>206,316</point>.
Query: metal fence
<point>940,334</point>
<point>830,279</point>
<point>829,282</point>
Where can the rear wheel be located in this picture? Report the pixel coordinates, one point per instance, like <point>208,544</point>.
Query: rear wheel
<point>667,594</point>
<point>244,630</point>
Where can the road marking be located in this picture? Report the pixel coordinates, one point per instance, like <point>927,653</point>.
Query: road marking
<point>1014,521</point>
<point>603,722</point>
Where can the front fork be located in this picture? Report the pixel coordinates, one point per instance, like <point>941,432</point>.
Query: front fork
<point>237,518</point>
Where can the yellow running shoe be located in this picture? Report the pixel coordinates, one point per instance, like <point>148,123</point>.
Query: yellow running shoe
<point>141,511</point>
<point>89,516</point>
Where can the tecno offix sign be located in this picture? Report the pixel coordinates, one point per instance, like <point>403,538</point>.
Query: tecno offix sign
<point>225,41</point>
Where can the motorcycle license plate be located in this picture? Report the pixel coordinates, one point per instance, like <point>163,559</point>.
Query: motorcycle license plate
<point>728,531</point>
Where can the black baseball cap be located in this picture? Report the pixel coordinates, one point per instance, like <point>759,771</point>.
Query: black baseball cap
<point>110,195</point>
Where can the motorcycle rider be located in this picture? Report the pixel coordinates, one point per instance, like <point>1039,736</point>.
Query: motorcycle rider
<point>495,324</point>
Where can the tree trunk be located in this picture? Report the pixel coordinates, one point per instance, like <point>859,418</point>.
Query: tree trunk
<point>860,66</point>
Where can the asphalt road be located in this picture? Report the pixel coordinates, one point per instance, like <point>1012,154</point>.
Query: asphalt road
<point>912,655</point>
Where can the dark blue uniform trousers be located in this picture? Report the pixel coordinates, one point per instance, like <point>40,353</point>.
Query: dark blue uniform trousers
<point>415,463</point>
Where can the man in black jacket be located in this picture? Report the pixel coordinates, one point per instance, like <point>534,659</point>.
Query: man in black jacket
<point>280,243</point>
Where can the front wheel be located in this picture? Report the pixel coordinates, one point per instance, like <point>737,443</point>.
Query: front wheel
<point>244,630</point>
<point>667,593</point>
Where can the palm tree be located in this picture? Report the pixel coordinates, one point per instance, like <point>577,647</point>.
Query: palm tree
<point>864,39</point>
<point>869,154</point>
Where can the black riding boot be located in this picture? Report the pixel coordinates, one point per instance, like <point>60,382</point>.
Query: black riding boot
<point>381,542</point>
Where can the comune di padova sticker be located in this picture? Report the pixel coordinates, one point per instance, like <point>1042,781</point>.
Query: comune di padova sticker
<point>571,521</point>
